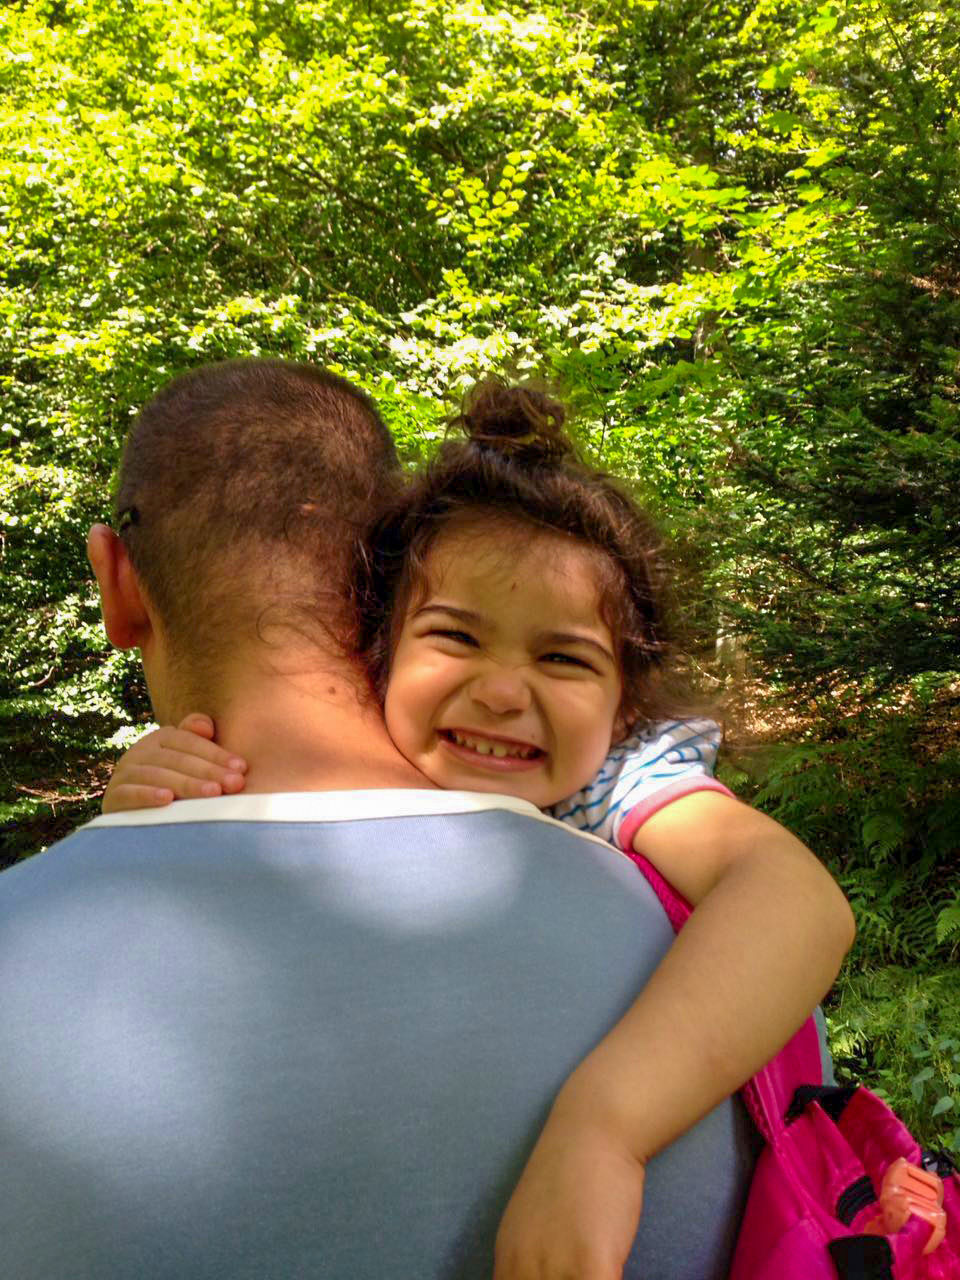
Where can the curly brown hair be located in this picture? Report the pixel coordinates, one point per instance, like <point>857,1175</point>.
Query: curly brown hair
<point>517,465</point>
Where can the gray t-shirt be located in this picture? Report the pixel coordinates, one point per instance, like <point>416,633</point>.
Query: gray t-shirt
<point>316,1035</point>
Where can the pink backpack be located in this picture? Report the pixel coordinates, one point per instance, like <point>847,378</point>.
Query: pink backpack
<point>841,1191</point>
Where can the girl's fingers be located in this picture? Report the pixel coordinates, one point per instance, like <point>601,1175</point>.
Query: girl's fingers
<point>174,764</point>
<point>189,765</point>
<point>184,785</point>
<point>197,722</point>
<point>186,743</point>
<point>129,796</point>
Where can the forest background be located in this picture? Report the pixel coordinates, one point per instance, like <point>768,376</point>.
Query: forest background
<point>728,233</point>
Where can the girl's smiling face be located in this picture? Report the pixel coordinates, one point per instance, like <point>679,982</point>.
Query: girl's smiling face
<point>504,676</point>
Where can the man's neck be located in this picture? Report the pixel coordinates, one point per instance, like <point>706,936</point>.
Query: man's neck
<point>311,732</point>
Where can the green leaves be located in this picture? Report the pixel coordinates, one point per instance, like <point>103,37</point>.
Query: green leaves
<point>948,923</point>
<point>897,1025</point>
<point>778,77</point>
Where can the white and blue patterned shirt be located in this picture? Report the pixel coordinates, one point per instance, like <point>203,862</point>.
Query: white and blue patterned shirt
<point>665,760</point>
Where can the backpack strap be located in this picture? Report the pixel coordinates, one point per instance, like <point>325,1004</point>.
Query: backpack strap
<point>676,906</point>
<point>769,1094</point>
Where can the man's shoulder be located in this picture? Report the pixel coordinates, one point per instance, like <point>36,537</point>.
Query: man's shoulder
<point>367,846</point>
<point>232,826</point>
<point>307,818</point>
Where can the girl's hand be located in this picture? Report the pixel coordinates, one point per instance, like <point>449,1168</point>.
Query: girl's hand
<point>169,764</point>
<point>574,1213</point>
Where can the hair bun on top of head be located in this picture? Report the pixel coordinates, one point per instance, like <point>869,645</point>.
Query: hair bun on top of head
<point>518,421</point>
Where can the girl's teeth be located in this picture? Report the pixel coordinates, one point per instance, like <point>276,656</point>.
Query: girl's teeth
<point>496,749</point>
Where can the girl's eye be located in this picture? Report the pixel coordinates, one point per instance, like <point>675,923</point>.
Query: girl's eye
<point>458,637</point>
<point>566,659</point>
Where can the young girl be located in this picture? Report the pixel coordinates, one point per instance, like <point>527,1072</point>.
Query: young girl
<point>511,615</point>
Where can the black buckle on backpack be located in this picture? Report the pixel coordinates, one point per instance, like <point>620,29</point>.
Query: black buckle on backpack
<point>831,1098</point>
<point>856,1197</point>
<point>862,1258</point>
<point>936,1160</point>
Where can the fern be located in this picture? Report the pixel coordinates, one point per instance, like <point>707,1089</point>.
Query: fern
<point>948,921</point>
<point>883,815</point>
<point>884,831</point>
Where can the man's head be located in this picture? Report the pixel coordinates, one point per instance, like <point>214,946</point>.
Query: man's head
<point>242,489</point>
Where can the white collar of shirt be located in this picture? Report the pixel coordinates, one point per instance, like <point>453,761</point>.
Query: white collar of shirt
<point>320,806</point>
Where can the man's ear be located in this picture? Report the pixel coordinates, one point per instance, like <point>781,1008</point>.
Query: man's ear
<point>125,616</point>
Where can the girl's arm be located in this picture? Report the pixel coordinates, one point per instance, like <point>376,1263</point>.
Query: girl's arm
<point>181,763</point>
<point>766,938</point>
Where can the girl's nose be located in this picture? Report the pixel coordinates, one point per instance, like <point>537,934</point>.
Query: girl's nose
<point>501,691</point>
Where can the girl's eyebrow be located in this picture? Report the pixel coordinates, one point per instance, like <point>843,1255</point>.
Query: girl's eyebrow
<point>465,615</point>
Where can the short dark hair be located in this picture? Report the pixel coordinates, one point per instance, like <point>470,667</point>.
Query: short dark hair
<point>283,460</point>
<point>518,466</point>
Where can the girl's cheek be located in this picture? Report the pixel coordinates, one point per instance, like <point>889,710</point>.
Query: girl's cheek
<point>408,708</point>
<point>394,719</point>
